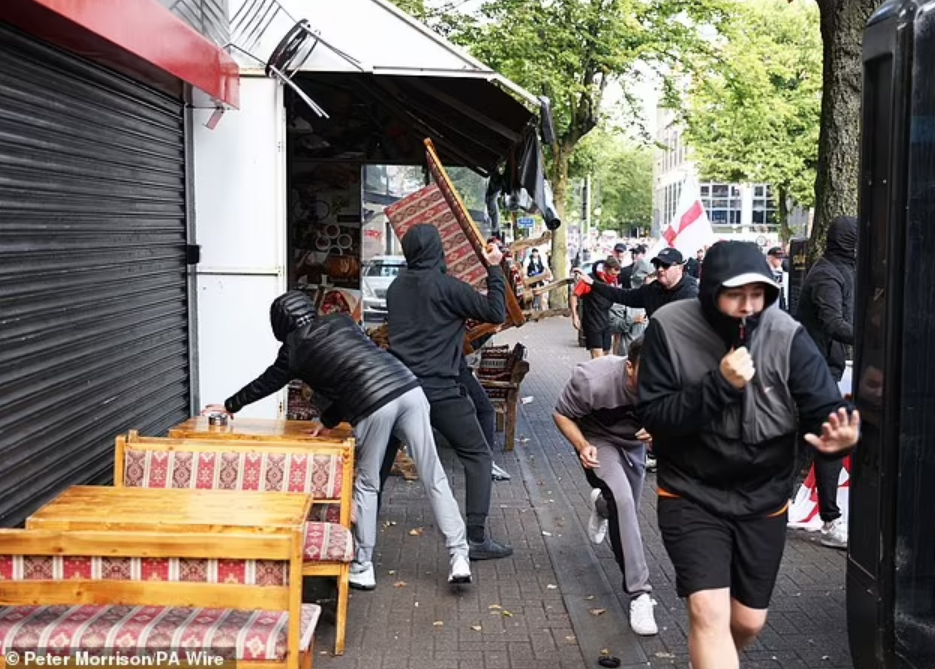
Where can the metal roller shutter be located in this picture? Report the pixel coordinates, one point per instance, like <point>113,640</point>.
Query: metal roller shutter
<point>94,335</point>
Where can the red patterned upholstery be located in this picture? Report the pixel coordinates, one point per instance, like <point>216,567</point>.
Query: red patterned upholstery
<point>428,205</point>
<point>328,542</point>
<point>132,630</point>
<point>318,474</point>
<point>58,568</point>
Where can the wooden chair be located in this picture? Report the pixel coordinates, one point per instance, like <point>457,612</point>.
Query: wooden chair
<point>323,469</point>
<point>104,593</point>
<point>501,373</point>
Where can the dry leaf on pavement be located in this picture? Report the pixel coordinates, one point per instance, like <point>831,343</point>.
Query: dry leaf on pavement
<point>597,612</point>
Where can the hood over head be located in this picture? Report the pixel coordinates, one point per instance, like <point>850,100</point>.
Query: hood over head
<point>289,312</point>
<point>730,265</point>
<point>842,239</point>
<point>422,246</point>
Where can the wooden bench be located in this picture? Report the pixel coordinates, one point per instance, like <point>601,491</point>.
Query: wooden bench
<point>501,372</point>
<point>143,593</point>
<point>322,469</point>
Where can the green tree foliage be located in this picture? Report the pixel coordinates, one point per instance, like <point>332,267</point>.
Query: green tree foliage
<point>756,118</point>
<point>571,50</point>
<point>622,174</point>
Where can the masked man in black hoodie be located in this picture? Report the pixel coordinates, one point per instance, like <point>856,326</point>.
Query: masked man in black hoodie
<point>427,310</point>
<point>725,383</point>
<point>826,310</point>
<point>372,390</point>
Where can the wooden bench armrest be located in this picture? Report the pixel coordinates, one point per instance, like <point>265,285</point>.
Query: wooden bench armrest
<point>497,385</point>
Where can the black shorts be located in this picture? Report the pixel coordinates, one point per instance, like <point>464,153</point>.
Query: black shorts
<point>597,339</point>
<point>710,552</point>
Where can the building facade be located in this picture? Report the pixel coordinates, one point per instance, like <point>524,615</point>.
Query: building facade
<point>746,211</point>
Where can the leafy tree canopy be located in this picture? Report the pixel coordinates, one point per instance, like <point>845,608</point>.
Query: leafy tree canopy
<point>623,178</point>
<point>757,116</point>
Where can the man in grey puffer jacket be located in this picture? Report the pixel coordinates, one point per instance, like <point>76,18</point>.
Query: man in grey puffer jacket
<point>380,397</point>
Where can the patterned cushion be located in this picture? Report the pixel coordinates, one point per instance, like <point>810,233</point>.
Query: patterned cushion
<point>328,542</point>
<point>58,568</point>
<point>132,630</point>
<point>428,205</point>
<point>318,474</point>
<point>495,363</point>
<point>326,513</point>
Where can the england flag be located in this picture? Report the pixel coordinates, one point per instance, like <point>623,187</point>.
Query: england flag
<point>689,229</point>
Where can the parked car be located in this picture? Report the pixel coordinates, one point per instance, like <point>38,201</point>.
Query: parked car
<point>378,274</point>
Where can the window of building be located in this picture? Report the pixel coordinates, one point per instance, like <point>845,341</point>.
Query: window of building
<point>765,211</point>
<point>722,203</point>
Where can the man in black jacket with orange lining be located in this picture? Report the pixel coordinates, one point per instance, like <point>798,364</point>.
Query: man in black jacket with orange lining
<point>427,310</point>
<point>725,383</point>
<point>671,284</point>
<point>372,390</point>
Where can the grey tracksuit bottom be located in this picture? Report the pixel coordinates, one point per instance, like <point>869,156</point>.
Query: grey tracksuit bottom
<point>408,419</point>
<point>620,478</point>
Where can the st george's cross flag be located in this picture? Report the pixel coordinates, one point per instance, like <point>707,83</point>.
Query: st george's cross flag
<point>689,229</point>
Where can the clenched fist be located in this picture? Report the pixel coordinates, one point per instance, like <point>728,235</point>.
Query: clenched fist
<point>493,255</point>
<point>737,367</point>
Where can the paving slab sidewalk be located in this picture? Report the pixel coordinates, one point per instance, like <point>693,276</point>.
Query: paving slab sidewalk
<point>557,603</point>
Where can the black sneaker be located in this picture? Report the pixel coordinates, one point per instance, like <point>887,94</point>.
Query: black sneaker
<point>488,549</point>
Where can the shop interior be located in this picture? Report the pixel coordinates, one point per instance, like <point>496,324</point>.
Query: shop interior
<point>344,169</point>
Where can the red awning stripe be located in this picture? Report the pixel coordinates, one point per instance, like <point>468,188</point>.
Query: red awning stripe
<point>151,33</point>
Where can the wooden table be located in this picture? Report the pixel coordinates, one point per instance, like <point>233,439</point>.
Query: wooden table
<point>264,429</point>
<point>173,510</point>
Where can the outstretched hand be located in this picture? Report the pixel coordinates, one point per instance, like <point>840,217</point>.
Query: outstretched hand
<point>581,275</point>
<point>216,408</point>
<point>839,433</point>
<point>319,430</point>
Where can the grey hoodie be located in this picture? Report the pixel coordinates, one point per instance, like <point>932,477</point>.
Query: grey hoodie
<point>428,310</point>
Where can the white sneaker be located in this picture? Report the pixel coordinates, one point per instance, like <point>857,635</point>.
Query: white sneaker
<point>362,577</point>
<point>642,618</point>
<point>597,526</point>
<point>498,473</point>
<point>459,569</point>
<point>650,462</point>
<point>834,534</point>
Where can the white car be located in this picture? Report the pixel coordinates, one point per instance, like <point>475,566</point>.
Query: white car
<point>377,276</point>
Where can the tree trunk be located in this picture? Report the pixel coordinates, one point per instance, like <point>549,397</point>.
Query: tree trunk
<point>836,185</point>
<point>559,180</point>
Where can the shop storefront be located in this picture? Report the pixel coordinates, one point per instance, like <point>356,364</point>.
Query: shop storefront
<point>291,195</point>
<point>95,243</point>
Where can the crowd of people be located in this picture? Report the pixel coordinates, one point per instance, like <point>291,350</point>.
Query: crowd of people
<point>697,358</point>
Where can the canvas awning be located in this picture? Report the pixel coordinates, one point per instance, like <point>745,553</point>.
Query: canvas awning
<point>475,115</point>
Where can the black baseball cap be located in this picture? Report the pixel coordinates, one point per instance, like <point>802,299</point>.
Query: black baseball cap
<point>639,248</point>
<point>620,247</point>
<point>776,251</point>
<point>668,257</point>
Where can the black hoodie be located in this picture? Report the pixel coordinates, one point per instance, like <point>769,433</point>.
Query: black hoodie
<point>350,376</point>
<point>717,470</point>
<point>427,310</point>
<point>826,304</point>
